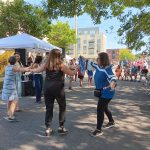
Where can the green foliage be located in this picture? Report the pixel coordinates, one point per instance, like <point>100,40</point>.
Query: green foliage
<point>19,15</point>
<point>133,15</point>
<point>61,35</point>
<point>126,54</point>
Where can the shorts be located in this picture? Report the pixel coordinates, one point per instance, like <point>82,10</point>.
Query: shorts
<point>80,77</point>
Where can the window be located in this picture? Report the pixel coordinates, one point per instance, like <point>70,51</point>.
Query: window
<point>78,51</point>
<point>84,42</point>
<point>98,41</point>
<point>78,46</point>
<point>91,45</point>
<point>84,49</point>
<point>98,47</point>
<point>92,32</point>
<point>91,51</point>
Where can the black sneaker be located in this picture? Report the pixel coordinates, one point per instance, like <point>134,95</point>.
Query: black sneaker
<point>62,130</point>
<point>48,131</point>
<point>70,88</point>
<point>96,133</point>
<point>109,125</point>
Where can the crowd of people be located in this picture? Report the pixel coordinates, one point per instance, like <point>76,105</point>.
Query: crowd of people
<point>53,70</point>
<point>130,71</point>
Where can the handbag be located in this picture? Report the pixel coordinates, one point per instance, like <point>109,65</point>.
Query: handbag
<point>97,92</point>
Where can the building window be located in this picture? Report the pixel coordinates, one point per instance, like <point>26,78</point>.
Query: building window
<point>92,32</point>
<point>91,43</point>
<point>78,51</point>
<point>98,47</point>
<point>84,49</point>
<point>84,42</point>
<point>91,51</point>
<point>98,41</point>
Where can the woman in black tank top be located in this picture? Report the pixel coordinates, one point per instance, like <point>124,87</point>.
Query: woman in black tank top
<point>54,89</point>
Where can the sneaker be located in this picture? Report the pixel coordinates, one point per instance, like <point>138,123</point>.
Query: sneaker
<point>62,130</point>
<point>109,125</point>
<point>48,131</point>
<point>19,110</point>
<point>96,133</point>
<point>10,119</point>
<point>70,88</point>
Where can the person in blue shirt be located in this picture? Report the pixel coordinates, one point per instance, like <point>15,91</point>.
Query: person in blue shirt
<point>105,81</point>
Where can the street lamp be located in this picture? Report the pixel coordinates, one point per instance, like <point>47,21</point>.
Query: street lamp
<point>76,31</point>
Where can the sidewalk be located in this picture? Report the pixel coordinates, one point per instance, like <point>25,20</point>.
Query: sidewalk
<point>130,108</point>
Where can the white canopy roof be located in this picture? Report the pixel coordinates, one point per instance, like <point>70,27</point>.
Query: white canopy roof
<point>25,41</point>
<point>68,58</point>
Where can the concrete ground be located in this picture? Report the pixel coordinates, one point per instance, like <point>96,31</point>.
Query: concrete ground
<point>130,108</point>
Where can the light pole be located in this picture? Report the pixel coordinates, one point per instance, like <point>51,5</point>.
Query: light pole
<point>76,31</point>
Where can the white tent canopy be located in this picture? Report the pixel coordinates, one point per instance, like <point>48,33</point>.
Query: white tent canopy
<point>25,41</point>
<point>68,58</point>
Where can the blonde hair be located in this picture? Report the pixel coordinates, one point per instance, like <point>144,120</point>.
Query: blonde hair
<point>54,60</point>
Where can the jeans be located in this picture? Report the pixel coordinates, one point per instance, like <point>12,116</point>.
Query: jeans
<point>102,107</point>
<point>38,78</point>
<point>54,90</point>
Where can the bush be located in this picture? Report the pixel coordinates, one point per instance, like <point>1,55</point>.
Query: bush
<point>1,83</point>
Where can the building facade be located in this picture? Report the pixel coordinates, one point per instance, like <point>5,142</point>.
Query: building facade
<point>90,41</point>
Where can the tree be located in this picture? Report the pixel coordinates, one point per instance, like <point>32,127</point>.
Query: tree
<point>19,15</point>
<point>126,54</point>
<point>135,25</point>
<point>61,35</point>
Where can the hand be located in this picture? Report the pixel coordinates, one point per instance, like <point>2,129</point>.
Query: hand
<point>27,69</point>
<point>112,85</point>
<point>31,70</point>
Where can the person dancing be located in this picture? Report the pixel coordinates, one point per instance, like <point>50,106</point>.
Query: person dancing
<point>9,91</point>
<point>54,89</point>
<point>105,82</point>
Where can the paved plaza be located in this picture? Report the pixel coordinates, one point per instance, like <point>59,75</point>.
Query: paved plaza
<point>130,108</point>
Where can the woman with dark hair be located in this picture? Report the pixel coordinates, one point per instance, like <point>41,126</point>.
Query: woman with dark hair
<point>105,82</point>
<point>18,79</point>
<point>38,79</point>
<point>54,89</point>
<point>9,91</point>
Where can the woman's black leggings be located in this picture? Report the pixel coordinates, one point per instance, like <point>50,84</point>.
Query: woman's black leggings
<point>54,90</point>
<point>102,107</point>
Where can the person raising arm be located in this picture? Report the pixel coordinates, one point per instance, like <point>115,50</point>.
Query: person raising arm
<point>54,89</point>
<point>105,83</point>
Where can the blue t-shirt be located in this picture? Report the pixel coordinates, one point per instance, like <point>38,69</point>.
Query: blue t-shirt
<point>103,77</point>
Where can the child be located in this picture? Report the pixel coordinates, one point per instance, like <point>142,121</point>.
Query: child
<point>9,91</point>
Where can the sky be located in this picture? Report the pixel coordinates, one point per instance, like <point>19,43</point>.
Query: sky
<point>83,21</point>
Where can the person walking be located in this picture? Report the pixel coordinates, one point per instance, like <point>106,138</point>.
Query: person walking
<point>105,82</point>
<point>9,91</point>
<point>71,67</point>
<point>54,89</point>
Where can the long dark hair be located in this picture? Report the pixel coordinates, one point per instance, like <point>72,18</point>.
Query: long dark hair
<point>38,59</point>
<point>103,59</point>
<point>54,60</point>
